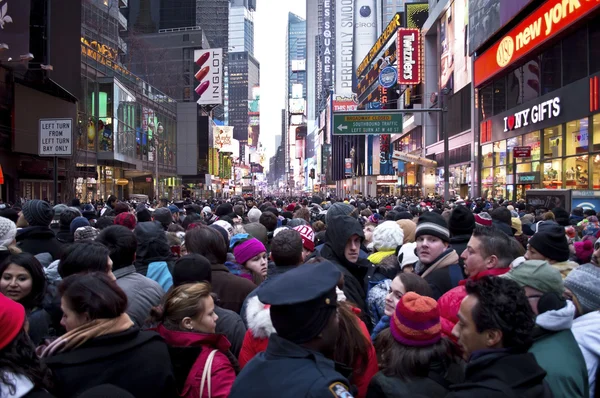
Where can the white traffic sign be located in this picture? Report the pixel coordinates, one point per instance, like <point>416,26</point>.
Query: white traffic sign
<point>56,137</point>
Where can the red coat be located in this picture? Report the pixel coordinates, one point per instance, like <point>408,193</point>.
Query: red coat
<point>362,380</point>
<point>182,345</point>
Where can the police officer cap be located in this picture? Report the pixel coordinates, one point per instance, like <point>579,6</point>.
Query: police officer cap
<point>302,300</point>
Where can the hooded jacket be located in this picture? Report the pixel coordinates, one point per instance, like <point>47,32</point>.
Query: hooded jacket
<point>260,327</point>
<point>442,274</point>
<point>356,275</point>
<point>557,352</point>
<point>501,374</point>
<point>189,353</point>
<point>587,334</point>
<point>36,240</point>
<point>153,256</point>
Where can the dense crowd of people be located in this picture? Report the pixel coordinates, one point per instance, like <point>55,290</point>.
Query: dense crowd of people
<point>293,297</point>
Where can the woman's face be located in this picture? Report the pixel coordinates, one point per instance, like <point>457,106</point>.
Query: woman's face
<point>397,290</point>
<point>368,231</point>
<point>71,319</point>
<point>16,283</point>
<point>207,321</point>
<point>258,264</point>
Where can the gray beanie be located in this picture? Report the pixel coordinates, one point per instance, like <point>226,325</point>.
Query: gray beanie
<point>584,282</point>
<point>38,213</point>
<point>338,209</point>
<point>254,215</point>
<point>58,210</point>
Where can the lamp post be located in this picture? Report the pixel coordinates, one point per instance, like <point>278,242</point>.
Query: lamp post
<point>352,153</point>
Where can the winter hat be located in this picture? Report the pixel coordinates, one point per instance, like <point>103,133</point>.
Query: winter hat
<point>38,213</point>
<point>387,236</point>
<point>561,216</point>
<point>58,210</point>
<point>406,255</point>
<point>173,209</point>
<point>291,207</point>
<point>461,222</point>
<point>207,210</point>
<point>338,209</point>
<point>308,236</point>
<point>226,226</point>
<point>8,231</point>
<point>85,233</point>
<point>258,231</point>
<point>127,220</point>
<point>584,251</point>
<point>163,215</point>
<point>551,242</point>
<point>538,275</point>
<point>517,226</point>
<point>254,214</point>
<point>416,321</point>
<point>409,228</point>
<point>142,213</point>
<point>483,219</point>
<point>247,249</point>
<point>191,268</point>
<point>89,212</point>
<point>433,224</point>
<point>78,222</point>
<point>12,318</point>
<point>584,282</point>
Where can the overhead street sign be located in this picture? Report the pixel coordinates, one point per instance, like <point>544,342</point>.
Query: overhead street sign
<point>358,123</point>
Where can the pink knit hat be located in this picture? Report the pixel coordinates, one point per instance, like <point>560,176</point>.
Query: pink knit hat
<point>247,249</point>
<point>308,237</point>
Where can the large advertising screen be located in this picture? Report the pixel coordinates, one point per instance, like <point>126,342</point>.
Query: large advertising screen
<point>209,76</point>
<point>455,61</point>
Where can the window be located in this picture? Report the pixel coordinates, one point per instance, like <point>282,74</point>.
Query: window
<point>552,174</point>
<point>577,137</point>
<point>499,96</point>
<point>576,172</point>
<point>550,69</point>
<point>486,97</point>
<point>595,175</point>
<point>500,153</point>
<point>596,127</point>
<point>553,142</point>
<point>487,156</point>
<point>594,49</point>
<point>575,56</point>
<point>532,140</point>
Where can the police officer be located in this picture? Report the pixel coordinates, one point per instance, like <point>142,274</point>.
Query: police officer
<point>304,314</point>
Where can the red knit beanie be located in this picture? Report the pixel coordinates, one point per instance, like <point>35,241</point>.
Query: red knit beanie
<point>12,318</point>
<point>126,220</point>
<point>416,321</point>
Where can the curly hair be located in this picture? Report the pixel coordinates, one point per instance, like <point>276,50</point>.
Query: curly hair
<point>502,305</point>
<point>19,358</point>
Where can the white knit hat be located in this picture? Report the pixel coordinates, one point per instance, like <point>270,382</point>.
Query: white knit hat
<point>387,236</point>
<point>407,255</point>
<point>254,215</point>
<point>8,231</point>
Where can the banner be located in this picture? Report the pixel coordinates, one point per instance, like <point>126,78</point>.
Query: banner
<point>348,167</point>
<point>209,76</point>
<point>409,56</point>
<point>223,138</point>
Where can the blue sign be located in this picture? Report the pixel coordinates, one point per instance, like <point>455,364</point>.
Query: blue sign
<point>388,77</point>
<point>586,203</point>
<point>373,105</point>
<point>400,166</point>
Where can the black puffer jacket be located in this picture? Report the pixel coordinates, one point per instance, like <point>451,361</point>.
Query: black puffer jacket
<point>356,275</point>
<point>152,246</point>
<point>36,240</point>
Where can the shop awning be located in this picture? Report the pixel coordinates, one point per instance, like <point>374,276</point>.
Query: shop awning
<point>409,157</point>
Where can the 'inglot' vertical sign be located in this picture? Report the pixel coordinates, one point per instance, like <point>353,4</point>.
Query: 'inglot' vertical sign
<point>56,137</point>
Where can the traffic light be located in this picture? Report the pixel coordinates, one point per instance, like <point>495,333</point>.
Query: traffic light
<point>311,174</point>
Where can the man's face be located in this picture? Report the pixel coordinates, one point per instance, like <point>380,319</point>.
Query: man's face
<point>473,258</point>
<point>469,339</point>
<point>352,248</point>
<point>429,248</point>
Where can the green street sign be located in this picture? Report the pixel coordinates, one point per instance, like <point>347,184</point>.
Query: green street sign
<point>358,123</point>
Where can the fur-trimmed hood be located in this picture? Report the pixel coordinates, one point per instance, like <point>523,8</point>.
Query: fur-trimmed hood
<point>258,319</point>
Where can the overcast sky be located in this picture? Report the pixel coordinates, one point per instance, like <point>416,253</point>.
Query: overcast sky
<point>270,24</point>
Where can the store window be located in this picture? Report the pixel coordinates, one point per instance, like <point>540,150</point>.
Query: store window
<point>550,62</point>
<point>552,174</point>
<point>596,127</point>
<point>510,144</point>
<point>532,140</point>
<point>594,49</point>
<point>499,96</point>
<point>575,56</point>
<point>500,182</point>
<point>530,79</point>
<point>500,153</point>
<point>576,172</point>
<point>514,90</point>
<point>487,155</point>
<point>553,142</point>
<point>595,174</point>
<point>533,167</point>
<point>487,181</point>
<point>577,137</point>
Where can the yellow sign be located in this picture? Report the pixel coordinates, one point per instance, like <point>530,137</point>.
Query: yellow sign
<point>505,51</point>
<point>103,54</point>
<point>387,34</point>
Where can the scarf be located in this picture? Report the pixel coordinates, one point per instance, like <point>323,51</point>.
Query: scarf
<point>376,258</point>
<point>447,258</point>
<point>78,336</point>
<point>489,272</point>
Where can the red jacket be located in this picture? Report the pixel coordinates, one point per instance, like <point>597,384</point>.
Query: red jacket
<point>362,380</point>
<point>182,344</point>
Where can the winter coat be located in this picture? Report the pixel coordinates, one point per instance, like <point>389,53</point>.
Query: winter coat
<point>356,275</point>
<point>449,303</point>
<point>189,353</point>
<point>587,334</point>
<point>383,324</point>
<point>142,293</point>
<point>231,289</point>
<point>64,236</point>
<point>442,274</point>
<point>260,328</point>
<point>565,267</point>
<point>557,352</point>
<point>500,374</point>
<point>383,386</point>
<point>231,325</point>
<point>459,244</point>
<point>123,359</point>
<point>36,240</point>
<point>23,387</point>
<point>386,267</point>
<point>376,300</point>
<point>40,323</point>
<point>153,257</point>
<point>361,380</point>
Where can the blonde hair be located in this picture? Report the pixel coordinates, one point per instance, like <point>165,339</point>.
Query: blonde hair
<point>183,301</point>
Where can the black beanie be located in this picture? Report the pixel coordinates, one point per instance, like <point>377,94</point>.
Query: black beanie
<point>192,268</point>
<point>551,243</point>
<point>461,222</point>
<point>431,223</point>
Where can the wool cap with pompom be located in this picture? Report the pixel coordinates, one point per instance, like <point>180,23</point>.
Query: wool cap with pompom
<point>416,321</point>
